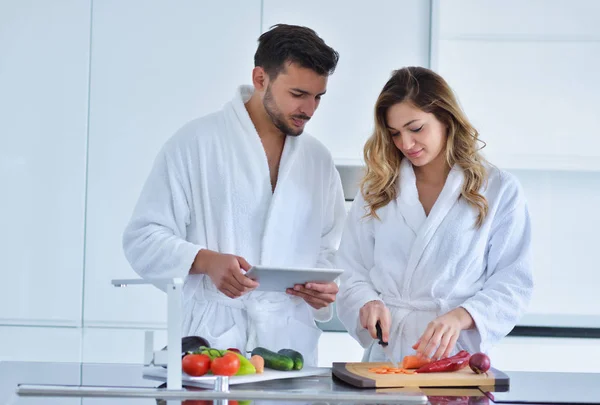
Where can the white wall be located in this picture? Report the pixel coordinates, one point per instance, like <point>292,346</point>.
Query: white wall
<point>89,90</point>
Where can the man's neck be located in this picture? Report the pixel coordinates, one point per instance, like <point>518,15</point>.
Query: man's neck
<point>262,122</point>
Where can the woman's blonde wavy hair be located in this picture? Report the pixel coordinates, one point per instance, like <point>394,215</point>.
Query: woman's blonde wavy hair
<point>429,92</point>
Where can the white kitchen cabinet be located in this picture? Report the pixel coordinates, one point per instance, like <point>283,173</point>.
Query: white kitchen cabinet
<point>44,68</point>
<point>155,66</point>
<point>338,347</point>
<point>529,120</point>
<point>547,354</point>
<point>373,38</point>
<point>118,345</point>
<point>545,19</point>
<point>565,222</point>
<point>519,70</point>
<point>33,343</point>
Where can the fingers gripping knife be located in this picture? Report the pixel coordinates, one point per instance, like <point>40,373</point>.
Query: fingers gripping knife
<point>385,347</point>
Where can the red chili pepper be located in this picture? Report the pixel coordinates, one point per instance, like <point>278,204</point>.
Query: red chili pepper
<point>462,353</point>
<point>458,361</point>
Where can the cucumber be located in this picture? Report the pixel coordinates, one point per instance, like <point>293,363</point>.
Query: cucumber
<point>274,360</point>
<point>294,355</point>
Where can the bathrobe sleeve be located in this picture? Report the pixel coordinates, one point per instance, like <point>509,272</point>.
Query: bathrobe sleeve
<point>335,215</point>
<point>355,257</point>
<point>334,221</point>
<point>502,301</point>
<point>154,241</point>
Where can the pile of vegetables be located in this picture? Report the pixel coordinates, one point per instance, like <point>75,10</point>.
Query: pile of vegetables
<point>218,362</point>
<point>478,362</point>
<point>231,362</point>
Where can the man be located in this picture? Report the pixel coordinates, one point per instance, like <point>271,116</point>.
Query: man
<point>242,186</point>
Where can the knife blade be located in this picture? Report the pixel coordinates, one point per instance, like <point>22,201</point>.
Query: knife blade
<point>385,347</point>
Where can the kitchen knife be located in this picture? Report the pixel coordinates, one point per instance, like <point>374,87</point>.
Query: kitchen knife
<point>384,345</point>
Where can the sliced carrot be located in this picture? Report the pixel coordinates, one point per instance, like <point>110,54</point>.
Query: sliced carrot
<point>390,370</point>
<point>414,362</point>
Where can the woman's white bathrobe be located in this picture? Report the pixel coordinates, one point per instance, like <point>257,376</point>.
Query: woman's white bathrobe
<point>210,188</point>
<point>424,266</point>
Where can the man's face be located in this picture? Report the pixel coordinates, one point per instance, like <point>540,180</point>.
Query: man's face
<point>292,98</point>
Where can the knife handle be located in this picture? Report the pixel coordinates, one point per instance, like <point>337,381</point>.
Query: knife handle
<point>380,334</point>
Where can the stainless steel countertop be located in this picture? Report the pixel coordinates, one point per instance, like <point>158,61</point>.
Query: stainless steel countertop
<point>529,387</point>
<point>109,383</point>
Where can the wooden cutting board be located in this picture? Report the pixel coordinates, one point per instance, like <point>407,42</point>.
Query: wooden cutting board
<point>358,375</point>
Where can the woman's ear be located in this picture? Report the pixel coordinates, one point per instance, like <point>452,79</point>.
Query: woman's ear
<point>449,128</point>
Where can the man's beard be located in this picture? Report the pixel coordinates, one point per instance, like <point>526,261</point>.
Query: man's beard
<point>277,116</point>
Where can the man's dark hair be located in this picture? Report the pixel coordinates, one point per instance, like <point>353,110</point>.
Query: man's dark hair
<point>284,43</point>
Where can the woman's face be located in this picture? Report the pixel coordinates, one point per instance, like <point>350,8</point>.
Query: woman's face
<point>420,136</point>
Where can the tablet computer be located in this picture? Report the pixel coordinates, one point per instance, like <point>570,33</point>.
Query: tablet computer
<point>278,279</point>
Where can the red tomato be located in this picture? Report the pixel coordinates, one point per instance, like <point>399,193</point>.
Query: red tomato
<point>227,365</point>
<point>195,364</point>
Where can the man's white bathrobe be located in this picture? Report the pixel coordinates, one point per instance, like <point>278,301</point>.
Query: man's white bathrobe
<point>424,266</point>
<point>210,188</point>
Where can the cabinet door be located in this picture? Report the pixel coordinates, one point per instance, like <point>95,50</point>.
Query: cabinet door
<point>521,71</point>
<point>118,345</point>
<point>373,39</point>
<point>155,66</point>
<point>539,354</point>
<point>565,222</point>
<point>44,69</point>
<point>40,344</point>
<point>338,347</point>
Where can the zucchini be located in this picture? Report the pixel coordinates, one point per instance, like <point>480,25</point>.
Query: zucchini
<point>294,355</point>
<point>274,360</point>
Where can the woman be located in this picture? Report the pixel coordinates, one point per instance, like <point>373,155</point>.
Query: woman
<point>436,245</point>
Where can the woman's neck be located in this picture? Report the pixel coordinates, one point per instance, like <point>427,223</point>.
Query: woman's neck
<point>433,173</point>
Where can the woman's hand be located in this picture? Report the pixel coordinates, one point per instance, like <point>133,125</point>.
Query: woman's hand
<point>442,334</point>
<point>372,312</point>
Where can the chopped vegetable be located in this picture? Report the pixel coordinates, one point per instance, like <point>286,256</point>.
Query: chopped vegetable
<point>258,362</point>
<point>454,363</point>
<point>390,370</point>
<point>415,361</point>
